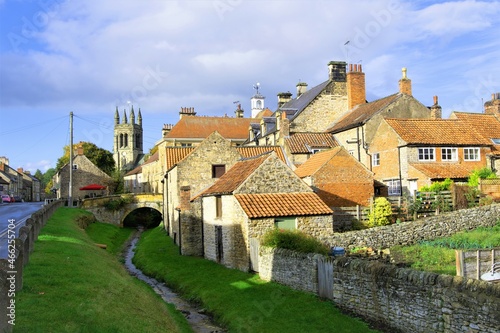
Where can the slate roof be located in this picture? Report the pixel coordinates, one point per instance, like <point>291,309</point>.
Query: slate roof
<point>192,127</point>
<point>436,132</point>
<point>282,204</point>
<point>313,164</point>
<point>298,104</point>
<point>444,170</point>
<point>361,113</point>
<point>301,143</point>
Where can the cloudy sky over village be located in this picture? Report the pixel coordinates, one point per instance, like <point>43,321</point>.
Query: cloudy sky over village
<point>160,55</point>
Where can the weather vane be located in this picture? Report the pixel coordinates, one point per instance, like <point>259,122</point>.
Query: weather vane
<point>256,87</point>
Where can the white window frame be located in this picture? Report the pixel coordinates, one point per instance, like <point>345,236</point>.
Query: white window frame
<point>376,159</point>
<point>453,153</point>
<point>75,166</point>
<point>394,187</point>
<point>424,154</point>
<point>477,154</point>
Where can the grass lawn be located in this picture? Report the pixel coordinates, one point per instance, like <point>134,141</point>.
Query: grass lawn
<point>438,256</point>
<point>239,301</point>
<point>71,285</point>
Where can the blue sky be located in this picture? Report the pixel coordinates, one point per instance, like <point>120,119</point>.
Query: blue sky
<point>88,57</point>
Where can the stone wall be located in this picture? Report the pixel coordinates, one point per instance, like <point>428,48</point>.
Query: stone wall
<point>407,233</point>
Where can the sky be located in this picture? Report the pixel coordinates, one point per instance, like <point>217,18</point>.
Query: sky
<point>89,57</point>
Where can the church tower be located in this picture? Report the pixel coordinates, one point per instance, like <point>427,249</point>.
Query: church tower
<point>257,101</point>
<point>127,146</point>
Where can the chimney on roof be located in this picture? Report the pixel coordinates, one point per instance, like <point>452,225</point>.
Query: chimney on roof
<point>20,170</point>
<point>4,160</point>
<point>284,97</point>
<point>239,112</point>
<point>405,83</point>
<point>2,166</point>
<point>356,91</point>
<point>436,111</point>
<point>187,112</point>
<point>493,106</point>
<point>337,71</point>
<point>166,129</point>
<point>301,88</point>
<point>79,150</point>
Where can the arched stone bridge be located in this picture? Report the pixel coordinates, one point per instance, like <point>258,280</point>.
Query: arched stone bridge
<point>115,208</point>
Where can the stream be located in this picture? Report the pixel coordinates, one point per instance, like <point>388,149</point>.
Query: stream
<point>200,322</point>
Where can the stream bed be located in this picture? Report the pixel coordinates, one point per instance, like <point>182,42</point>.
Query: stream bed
<point>199,321</point>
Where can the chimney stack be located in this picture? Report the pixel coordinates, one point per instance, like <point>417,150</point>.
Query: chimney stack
<point>405,83</point>
<point>166,129</point>
<point>493,106</point>
<point>436,111</point>
<point>301,88</point>
<point>283,98</point>
<point>20,170</point>
<point>187,112</point>
<point>239,112</point>
<point>356,91</point>
<point>337,71</point>
<point>79,150</point>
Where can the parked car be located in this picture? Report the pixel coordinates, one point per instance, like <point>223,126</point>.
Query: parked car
<point>6,198</point>
<point>17,198</point>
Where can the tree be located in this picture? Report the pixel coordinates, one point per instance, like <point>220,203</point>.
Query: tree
<point>47,180</point>
<point>102,158</point>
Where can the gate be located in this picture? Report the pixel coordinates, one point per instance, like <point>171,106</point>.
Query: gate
<point>325,278</point>
<point>254,254</point>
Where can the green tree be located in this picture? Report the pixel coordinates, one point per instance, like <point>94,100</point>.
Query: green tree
<point>102,158</point>
<point>381,214</point>
<point>483,173</point>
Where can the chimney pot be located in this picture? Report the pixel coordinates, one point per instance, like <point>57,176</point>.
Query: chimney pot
<point>435,100</point>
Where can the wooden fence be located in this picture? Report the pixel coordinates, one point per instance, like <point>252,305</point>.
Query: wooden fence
<point>473,263</point>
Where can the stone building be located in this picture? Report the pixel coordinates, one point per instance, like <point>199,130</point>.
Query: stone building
<point>31,186</point>
<point>84,173</point>
<point>356,128</point>
<point>254,196</point>
<point>338,178</point>
<point>410,153</point>
<point>13,180</point>
<point>128,140</point>
<point>189,170</point>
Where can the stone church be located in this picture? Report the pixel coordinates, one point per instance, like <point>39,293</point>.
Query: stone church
<point>128,140</point>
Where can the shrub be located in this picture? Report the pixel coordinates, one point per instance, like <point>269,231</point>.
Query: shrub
<point>381,214</point>
<point>83,221</point>
<point>483,173</point>
<point>117,204</point>
<point>436,187</point>
<point>294,240</point>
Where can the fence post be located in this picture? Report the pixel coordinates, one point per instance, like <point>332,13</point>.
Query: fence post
<point>5,292</point>
<point>460,262</point>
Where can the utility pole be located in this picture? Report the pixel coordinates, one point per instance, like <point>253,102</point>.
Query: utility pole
<point>70,191</point>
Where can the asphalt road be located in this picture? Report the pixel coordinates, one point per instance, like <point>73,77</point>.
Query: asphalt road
<point>12,217</point>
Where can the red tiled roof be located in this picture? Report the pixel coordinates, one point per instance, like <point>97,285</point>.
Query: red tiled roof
<point>234,177</point>
<point>192,127</point>
<point>487,125</point>
<point>176,154</point>
<point>300,143</point>
<point>361,113</point>
<point>444,170</point>
<point>436,132</point>
<point>264,113</point>
<point>282,204</point>
<point>252,151</point>
<point>316,161</point>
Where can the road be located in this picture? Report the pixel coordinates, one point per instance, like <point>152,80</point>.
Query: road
<point>12,217</point>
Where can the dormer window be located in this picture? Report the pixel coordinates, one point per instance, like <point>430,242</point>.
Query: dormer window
<point>496,141</point>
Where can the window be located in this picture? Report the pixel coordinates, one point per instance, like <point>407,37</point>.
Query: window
<point>376,159</point>
<point>75,166</point>
<point>287,223</point>
<point>496,141</point>
<point>394,187</point>
<point>218,170</point>
<point>471,154</point>
<point>184,144</point>
<point>426,154</point>
<point>218,206</point>
<point>315,150</point>
<point>449,154</point>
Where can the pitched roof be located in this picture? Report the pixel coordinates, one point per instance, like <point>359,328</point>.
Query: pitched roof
<point>192,127</point>
<point>301,143</point>
<point>264,113</point>
<point>282,204</point>
<point>362,113</point>
<point>316,161</point>
<point>234,177</point>
<point>436,132</point>
<point>174,155</point>
<point>252,151</point>
<point>444,170</point>
<point>300,103</point>
<point>134,171</point>
<point>488,125</point>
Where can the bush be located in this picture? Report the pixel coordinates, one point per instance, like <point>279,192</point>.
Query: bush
<point>117,204</point>
<point>436,187</point>
<point>483,173</point>
<point>381,214</point>
<point>83,221</point>
<point>294,240</point>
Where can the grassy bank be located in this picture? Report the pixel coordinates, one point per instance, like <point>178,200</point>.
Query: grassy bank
<point>71,285</point>
<point>240,301</point>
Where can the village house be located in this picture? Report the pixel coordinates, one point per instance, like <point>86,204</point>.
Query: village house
<point>31,186</point>
<point>11,179</point>
<point>189,170</point>
<point>145,178</point>
<point>84,173</point>
<point>299,147</point>
<point>410,153</point>
<point>338,178</point>
<point>252,197</point>
<point>356,128</point>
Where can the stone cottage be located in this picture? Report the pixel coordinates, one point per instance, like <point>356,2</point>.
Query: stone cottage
<point>256,195</point>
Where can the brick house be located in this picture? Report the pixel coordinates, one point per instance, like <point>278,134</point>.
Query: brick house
<point>338,178</point>
<point>255,195</point>
<point>189,170</point>
<point>84,173</point>
<point>410,153</point>
<point>356,128</point>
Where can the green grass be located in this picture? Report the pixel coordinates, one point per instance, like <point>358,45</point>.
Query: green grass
<point>438,256</point>
<point>239,301</point>
<point>71,285</point>
<point>108,234</point>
